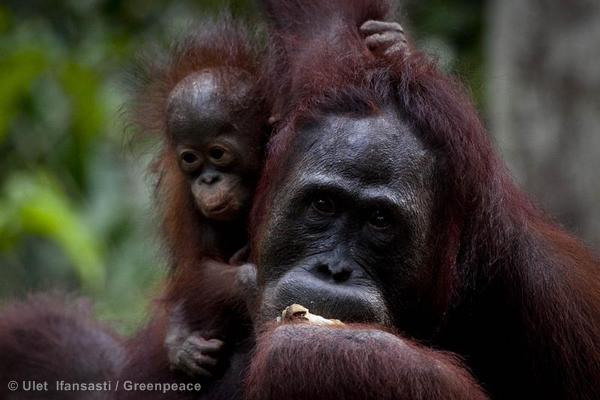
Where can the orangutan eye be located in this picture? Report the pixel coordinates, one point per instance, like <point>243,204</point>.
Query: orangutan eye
<point>188,157</point>
<point>380,219</point>
<point>221,156</point>
<point>189,160</point>
<point>324,205</point>
<point>216,153</point>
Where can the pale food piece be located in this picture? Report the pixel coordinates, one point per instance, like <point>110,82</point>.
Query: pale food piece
<point>300,314</point>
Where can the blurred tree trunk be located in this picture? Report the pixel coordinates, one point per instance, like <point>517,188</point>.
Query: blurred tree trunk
<point>544,103</point>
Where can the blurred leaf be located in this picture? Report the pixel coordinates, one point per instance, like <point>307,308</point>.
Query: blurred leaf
<point>35,205</point>
<point>82,84</point>
<point>17,72</point>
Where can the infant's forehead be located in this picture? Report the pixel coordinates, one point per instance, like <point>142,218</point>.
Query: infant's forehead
<point>199,89</point>
<point>205,103</point>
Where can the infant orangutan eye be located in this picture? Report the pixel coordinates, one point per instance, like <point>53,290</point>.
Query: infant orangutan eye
<point>188,157</point>
<point>189,160</point>
<point>220,155</point>
<point>216,152</point>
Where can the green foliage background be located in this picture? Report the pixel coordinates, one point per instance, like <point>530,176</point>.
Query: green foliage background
<point>75,209</point>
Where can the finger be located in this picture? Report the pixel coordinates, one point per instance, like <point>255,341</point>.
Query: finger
<point>400,48</point>
<point>273,119</point>
<point>386,39</point>
<point>199,354</point>
<point>247,277</point>
<point>198,343</point>
<point>196,363</point>
<point>186,362</point>
<point>204,361</point>
<point>240,256</point>
<point>190,367</point>
<point>371,27</point>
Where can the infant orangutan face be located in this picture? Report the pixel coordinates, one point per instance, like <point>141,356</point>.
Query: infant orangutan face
<point>217,146</point>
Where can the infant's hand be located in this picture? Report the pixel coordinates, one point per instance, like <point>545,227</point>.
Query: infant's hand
<point>385,38</point>
<point>194,354</point>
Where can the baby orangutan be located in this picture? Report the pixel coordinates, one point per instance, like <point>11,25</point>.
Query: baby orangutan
<point>218,142</point>
<point>204,104</point>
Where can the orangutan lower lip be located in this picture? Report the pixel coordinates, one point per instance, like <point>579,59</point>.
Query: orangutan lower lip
<point>329,300</point>
<point>219,209</point>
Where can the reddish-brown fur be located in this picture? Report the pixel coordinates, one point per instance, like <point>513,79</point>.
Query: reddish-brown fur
<point>516,298</point>
<point>312,362</point>
<point>201,283</point>
<point>49,338</point>
<point>219,45</point>
<point>514,295</point>
<point>190,238</point>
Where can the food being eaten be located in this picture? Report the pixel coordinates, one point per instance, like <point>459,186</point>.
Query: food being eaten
<point>300,314</point>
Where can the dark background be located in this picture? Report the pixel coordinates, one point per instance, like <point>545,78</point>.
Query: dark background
<point>75,209</point>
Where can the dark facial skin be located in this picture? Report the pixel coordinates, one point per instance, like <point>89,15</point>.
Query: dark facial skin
<point>349,226</point>
<point>215,145</point>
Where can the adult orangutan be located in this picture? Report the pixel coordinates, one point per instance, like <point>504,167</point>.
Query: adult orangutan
<point>383,204</point>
